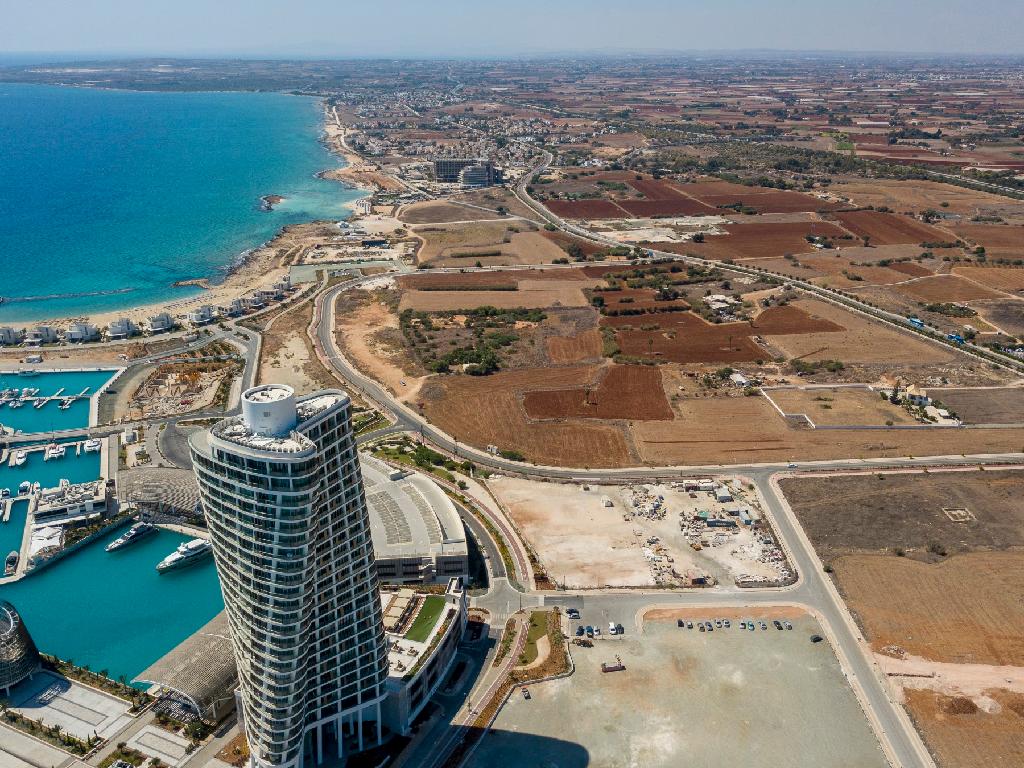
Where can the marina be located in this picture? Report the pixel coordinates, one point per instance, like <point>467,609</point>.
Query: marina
<point>33,401</point>
<point>113,610</point>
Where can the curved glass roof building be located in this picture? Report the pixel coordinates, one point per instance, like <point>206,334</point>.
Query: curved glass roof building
<point>18,655</point>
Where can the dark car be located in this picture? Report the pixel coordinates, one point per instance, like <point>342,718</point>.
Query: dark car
<point>816,638</point>
<point>580,631</point>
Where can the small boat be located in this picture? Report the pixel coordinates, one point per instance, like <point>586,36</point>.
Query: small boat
<point>24,488</point>
<point>54,451</point>
<point>5,493</point>
<point>91,446</point>
<point>136,533</point>
<point>11,563</point>
<point>66,403</point>
<point>36,487</point>
<point>16,403</point>
<point>20,457</point>
<point>186,554</point>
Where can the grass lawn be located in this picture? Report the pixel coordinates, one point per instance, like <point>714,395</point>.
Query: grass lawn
<point>426,619</point>
<point>538,628</point>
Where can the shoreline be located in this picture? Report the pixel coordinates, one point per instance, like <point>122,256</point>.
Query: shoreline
<point>244,273</point>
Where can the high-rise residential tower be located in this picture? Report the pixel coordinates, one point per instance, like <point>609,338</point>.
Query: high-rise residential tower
<point>284,502</point>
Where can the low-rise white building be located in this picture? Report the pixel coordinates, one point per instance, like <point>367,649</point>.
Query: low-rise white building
<point>161,322</point>
<point>201,315</point>
<point>82,332</point>
<point>42,334</point>
<point>10,336</point>
<point>122,328</point>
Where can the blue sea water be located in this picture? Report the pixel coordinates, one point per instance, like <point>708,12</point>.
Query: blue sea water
<point>50,417</point>
<point>104,191</point>
<point>112,610</point>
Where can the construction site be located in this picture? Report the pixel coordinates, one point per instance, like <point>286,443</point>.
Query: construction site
<point>693,533</point>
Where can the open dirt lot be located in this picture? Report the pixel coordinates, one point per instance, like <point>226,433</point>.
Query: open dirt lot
<point>840,406</point>
<point>983,406</point>
<point>531,294</point>
<point>287,356</point>
<point>862,341</point>
<point>689,698</point>
<point>875,513</point>
<point>488,410</point>
<point>622,392</point>
<point>359,332</point>
<point>436,212</point>
<point>490,243</point>
<point>955,620</point>
<point>1005,314</point>
<point>962,735</point>
<point>890,228</point>
<point>941,288</point>
<point>998,239</point>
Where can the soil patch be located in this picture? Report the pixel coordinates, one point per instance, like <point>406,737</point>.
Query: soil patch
<point>623,392</point>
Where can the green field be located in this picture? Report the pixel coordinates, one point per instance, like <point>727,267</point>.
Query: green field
<point>426,619</point>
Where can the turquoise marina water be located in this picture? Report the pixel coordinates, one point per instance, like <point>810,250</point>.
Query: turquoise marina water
<point>12,532</point>
<point>109,197</point>
<point>74,468</point>
<point>50,417</point>
<point>113,611</point>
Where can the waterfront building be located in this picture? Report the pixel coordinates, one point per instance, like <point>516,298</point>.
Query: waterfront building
<point>283,497</point>
<point>122,328</point>
<point>161,323</point>
<point>82,332</point>
<point>418,537</point>
<point>11,336</point>
<point>201,315</point>
<point>18,655</point>
<point>42,334</point>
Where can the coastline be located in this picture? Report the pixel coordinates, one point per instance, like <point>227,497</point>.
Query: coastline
<point>248,270</point>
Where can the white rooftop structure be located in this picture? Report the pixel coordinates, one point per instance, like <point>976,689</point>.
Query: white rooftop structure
<point>418,536</point>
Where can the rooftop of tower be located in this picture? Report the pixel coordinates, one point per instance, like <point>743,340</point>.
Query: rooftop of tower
<point>273,418</point>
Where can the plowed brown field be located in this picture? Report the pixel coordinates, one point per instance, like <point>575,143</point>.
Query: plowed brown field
<point>889,228</point>
<point>586,209</point>
<point>574,349</point>
<point>1009,279</point>
<point>624,392</point>
<point>487,410</point>
<point>758,241</point>
<point>940,288</point>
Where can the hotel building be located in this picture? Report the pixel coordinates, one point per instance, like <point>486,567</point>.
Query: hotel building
<point>284,502</point>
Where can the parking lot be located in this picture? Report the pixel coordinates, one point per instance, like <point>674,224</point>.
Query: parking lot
<point>729,696</point>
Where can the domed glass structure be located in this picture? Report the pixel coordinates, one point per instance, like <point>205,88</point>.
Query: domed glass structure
<point>18,655</point>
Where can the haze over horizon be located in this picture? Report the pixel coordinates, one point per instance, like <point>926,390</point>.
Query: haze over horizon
<point>464,29</point>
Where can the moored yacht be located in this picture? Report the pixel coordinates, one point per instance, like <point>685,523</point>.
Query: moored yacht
<point>136,533</point>
<point>186,554</point>
<point>91,446</point>
<point>20,457</point>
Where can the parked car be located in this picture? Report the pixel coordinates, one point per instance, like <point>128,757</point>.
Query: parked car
<point>700,626</point>
<point>572,613</point>
<point>580,631</point>
<point>526,693</point>
<point>777,623</point>
<point>788,625</point>
<point>689,625</point>
<point>727,623</point>
<point>763,625</point>
<point>618,629</point>
<point>597,631</point>
<point>816,638</point>
<point>612,629</point>
<point>590,631</point>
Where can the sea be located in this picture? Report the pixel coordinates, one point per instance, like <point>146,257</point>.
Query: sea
<point>109,197</point>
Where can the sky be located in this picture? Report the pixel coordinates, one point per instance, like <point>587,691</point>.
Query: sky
<point>485,28</point>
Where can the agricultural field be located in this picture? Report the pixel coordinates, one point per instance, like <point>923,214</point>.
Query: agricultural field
<point>983,406</point>
<point>889,228</point>
<point>756,240</point>
<point>440,212</point>
<point>1005,314</point>
<point>488,410</point>
<point>839,406</point>
<point>997,239</point>
<point>621,392</point>
<point>917,195</point>
<point>1006,279</point>
<point>943,288</point>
